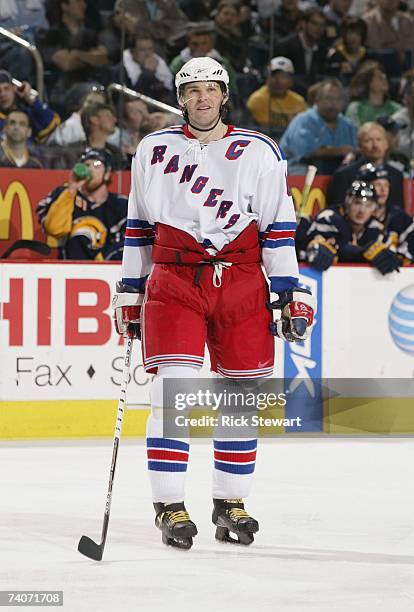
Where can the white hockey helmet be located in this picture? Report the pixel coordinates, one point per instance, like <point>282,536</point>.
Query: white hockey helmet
<point>201,69</point>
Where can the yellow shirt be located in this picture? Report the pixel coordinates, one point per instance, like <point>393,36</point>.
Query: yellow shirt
<point>282,110</point>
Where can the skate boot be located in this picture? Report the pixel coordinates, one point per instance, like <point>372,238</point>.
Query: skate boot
<point>230,516</point>
<point>175,523</point>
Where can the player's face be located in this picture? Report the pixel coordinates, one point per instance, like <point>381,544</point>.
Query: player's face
<point>203,101</point>
<point>382,189</point>
<point>360,210</point>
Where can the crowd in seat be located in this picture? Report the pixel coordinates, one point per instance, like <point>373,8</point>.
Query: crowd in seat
<point>331,80</point>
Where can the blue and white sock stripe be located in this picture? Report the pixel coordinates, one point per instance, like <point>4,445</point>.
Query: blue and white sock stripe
<point>258,373</point>
<point>173,359</point>
<point>235,445</point>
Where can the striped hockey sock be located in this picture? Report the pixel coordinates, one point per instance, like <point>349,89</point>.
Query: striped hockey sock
<point>167,465</point>
<point>234,463</point>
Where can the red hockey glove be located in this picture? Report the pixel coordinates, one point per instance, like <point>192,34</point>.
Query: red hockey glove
<point>298,307</point>
<point>127,311</point>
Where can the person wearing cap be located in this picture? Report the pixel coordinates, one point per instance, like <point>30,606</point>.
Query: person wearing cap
<point>43,120</point>
<point>275,104</point>
<point>351,234</point>
<point>397,225</point>
<point>209,209</point>
<point>85,217</point>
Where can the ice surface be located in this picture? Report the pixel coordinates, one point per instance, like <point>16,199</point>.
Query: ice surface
<point>336,529</point>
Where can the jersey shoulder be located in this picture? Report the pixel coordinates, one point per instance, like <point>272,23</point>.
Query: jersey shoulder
<point>260,141</point>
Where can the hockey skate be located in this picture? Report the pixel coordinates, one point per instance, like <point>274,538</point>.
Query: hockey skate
<point>174,521</point>
<point>229,515</point>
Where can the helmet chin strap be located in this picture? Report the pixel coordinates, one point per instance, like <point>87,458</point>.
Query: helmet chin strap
<point>199,129</point>
<point>210,129</point>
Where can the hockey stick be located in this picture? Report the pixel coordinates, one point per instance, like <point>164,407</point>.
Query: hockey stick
<point>86,546</point>
<point>310,175</point>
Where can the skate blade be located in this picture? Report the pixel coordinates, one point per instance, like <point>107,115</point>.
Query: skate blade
<point>181,543</point>
<point>244,538</point>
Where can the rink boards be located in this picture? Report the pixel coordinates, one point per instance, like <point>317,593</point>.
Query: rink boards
<point>60,371</point>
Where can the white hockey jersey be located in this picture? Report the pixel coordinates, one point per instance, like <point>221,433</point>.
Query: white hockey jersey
<point>212,192</point>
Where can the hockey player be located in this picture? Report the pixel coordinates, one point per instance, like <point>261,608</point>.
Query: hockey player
<point>85,217</point>
<point>398,226</point>
<point>351,234</point>
<point>208,204</point>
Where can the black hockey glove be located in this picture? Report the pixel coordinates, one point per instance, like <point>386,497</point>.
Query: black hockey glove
<point>298,307</point>
<point>382,258</point>
<point>321,254</point>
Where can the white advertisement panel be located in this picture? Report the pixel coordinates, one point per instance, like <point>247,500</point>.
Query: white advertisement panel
<point>57,336</point>
<point>58,340</point>
<point>368,323</point>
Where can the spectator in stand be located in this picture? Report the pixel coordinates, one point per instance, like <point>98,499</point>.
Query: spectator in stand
<point>405,117</point>
<point>88,220</point>
<point>42,119</point>
<point>99,123</point>
<point>389,28</point>
<point>286,20</point>
<point>351,233</point>
<point>321,136</point>
<point>22,18</point>
<point>373,147</point>
<point>145,71</point>
<point>200,41</point>
<point>274,105</point>
<point>306,49</point>
<point>369,94</point>
<point>111,35</point>
<point>138,122</point>
<point>162,19</point>
<point>336,11</point>
<point>72,51</point>
<point>397,225</point>
<point>230,42</point>
<point>14,149</point>
<point>347,54</point>
<point>71,130</point>
<point>392,129</point>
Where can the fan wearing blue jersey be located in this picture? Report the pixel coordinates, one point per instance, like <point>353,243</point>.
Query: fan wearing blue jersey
<point>209,206</point>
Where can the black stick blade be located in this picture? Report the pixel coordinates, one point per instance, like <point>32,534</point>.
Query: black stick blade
<point>90,549</point>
